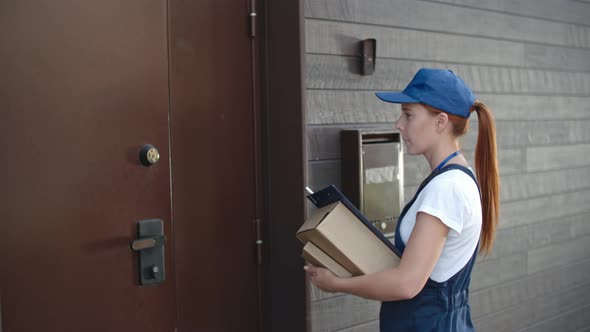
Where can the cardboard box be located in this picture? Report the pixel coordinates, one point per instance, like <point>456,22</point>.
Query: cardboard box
<point>317,257</point>
<point>343,238</point>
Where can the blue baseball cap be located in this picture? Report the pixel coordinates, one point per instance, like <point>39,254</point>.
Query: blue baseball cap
<point>439,88</point>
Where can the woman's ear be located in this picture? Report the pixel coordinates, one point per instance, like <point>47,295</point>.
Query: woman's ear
<point>442,120</point>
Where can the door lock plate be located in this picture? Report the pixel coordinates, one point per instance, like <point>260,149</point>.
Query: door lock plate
<point>150,246</point>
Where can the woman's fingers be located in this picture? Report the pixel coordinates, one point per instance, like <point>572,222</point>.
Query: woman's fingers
<point>311,270</point>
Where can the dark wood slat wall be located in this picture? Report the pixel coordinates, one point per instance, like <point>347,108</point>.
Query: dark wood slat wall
<point>529,60</point>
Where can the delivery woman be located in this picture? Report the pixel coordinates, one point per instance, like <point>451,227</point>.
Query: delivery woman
<point>451,215</point>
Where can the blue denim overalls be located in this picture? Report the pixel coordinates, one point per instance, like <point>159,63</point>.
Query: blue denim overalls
<point>439,306</point>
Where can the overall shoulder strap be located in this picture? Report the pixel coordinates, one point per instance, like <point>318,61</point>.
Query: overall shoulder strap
<point>461,168</point>
<point>398,241</point>
<point>439,172</point>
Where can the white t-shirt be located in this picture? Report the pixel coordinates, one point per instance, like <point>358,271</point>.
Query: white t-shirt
<point>453,198</point>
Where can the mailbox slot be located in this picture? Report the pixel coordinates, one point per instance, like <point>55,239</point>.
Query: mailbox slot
<point>372,175</point>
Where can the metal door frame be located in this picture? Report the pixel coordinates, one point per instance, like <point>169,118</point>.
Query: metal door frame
<point>284,155</point>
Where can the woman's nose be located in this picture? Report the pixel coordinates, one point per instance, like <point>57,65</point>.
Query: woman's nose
<point>398,124</point>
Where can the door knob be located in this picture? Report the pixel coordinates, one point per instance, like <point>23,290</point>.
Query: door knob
<point>148,155</point>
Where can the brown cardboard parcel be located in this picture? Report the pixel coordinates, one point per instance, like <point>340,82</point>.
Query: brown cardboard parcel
<point>339,241</point>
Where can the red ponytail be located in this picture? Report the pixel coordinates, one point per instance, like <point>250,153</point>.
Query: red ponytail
<point>486,169</point>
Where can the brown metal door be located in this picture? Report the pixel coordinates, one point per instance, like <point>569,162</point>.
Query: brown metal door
<point>83,84</point>
<point>213,123</point>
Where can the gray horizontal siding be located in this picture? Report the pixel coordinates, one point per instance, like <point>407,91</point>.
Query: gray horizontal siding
<point>529,60</point>
<point>494,271</point>
<point>535,133</point>
<point>439,46</point>
<point>529,211</point>
<point>341,72</point>
<point>574,319</point>
<point>542,140</point>
<point>528,185</point>
<point>347,311</point>
<point>421,15</point>
<point>364,327</point>
<point>523,239</point>
<point>566,11</point>
<point>532,314</point>
<point>342,312</point>
<point>557,254</point>
<point>342,107</point>
<point>557,157</point>
<point>511,294</point>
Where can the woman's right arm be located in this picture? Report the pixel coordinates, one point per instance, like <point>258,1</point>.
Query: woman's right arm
<point>402,282</point>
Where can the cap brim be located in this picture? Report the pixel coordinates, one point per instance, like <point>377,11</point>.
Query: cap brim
<point>395,97</point>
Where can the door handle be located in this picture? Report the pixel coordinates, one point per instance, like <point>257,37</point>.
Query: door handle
<point>148,242</point>
<point>150,248</point>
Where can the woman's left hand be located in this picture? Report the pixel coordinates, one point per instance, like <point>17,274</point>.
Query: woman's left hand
<point>323,278</point>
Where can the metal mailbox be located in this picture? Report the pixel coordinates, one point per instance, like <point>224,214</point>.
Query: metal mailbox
<point>372,175</point>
